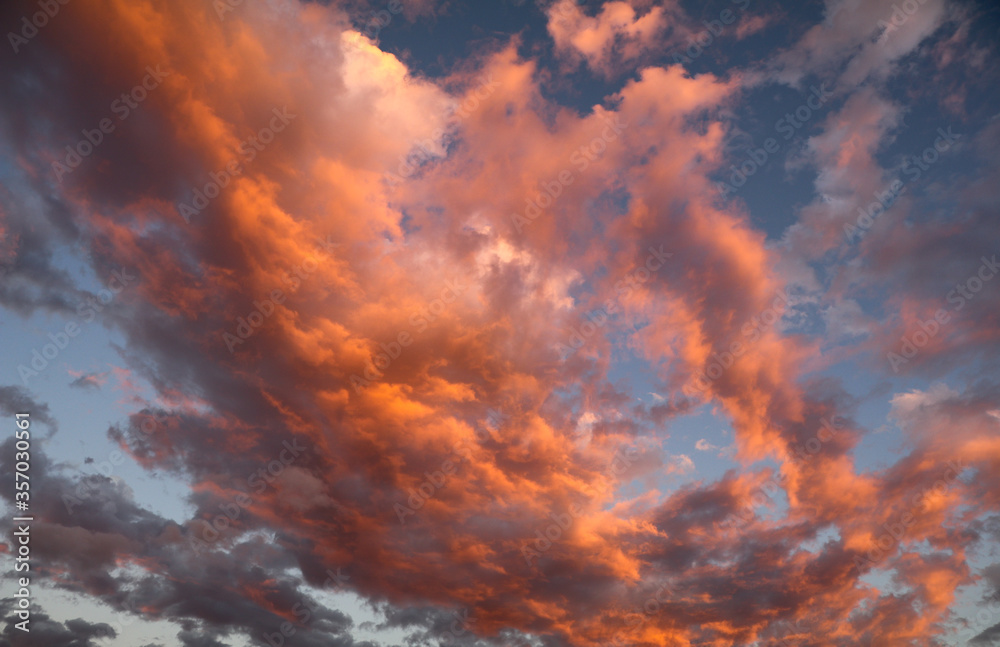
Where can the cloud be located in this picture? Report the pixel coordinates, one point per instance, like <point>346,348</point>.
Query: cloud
<point>680,464</point>
<point>17,399</point>
<point>329,335</point>
<point>88,380</point>
<point>751,26</point>
<point>48,632</point>
<point>704,446</point>
<point>617,35</point>
<point>851,32</point>
<point>846,320</point>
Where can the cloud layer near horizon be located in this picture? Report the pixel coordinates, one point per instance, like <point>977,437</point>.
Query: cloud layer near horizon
<point>383,291</point>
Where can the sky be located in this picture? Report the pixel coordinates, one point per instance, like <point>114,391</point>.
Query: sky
<point>520,323</point>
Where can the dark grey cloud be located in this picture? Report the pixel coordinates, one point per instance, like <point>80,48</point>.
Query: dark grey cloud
<point>46,632</point>
<point>16,399</point>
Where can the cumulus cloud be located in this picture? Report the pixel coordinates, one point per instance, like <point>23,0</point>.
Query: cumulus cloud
<point>333,332</point>
<point>616,36</point>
